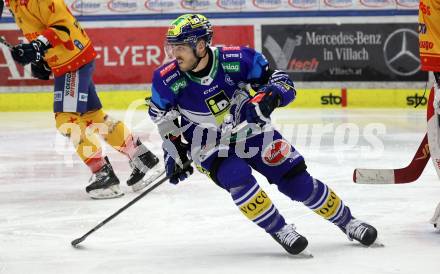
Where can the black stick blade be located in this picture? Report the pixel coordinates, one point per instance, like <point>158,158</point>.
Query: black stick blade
<point>75,242</point>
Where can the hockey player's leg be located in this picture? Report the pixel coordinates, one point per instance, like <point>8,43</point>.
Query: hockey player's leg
<point>433,118</point>
<point>144,163</point>
<point>234,175</point>
<point>325,202</point>
<point>285,167</point>
<point>103,184</point>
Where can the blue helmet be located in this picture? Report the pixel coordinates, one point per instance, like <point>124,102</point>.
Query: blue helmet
<point>189,28</point>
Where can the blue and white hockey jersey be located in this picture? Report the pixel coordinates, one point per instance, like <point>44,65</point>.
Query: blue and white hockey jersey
<point>205,102</point>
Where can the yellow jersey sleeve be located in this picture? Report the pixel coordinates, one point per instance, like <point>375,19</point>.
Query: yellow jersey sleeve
<point>71,46</point>
<point>429,34</point>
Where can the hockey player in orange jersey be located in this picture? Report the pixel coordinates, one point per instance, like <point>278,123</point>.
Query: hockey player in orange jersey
<point>59,45</point>
<point>429,44</point>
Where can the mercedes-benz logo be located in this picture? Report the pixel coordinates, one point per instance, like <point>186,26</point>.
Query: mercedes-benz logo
<point>401,52</point>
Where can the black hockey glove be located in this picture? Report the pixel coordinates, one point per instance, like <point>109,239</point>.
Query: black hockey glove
<point>27,53</point>
<point>41,70</point>
<point>1,8</point>
<point>175,155</point>
<point>261,106</point>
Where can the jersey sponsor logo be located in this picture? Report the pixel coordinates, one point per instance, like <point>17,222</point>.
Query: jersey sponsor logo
<point>83,97</point>
<point>338,3</point>
<point>58,96</point>
<point>83,6</point>
<point>159,5</point>
<point>230,48</point>
<point>303,4</point>
<point>78,44</point>
<point>375,3</point>
<point>427,45</point>
<point>231,66</point>
<point>211,89</point>
<point>122,5</point>
<point>167,69</point>
<point>171,77</point>
<point>231,4</point>
<point>425,9</point>
<point>257,205</point>
<point>267,4</point>
<point>195,4</point>
<point>228,80</point>
<point>178,85</point>
<point>70,85</point>
<point>276,153</point>
<point>231,55</point>
<point>408,3</point>
<point>218,104</point>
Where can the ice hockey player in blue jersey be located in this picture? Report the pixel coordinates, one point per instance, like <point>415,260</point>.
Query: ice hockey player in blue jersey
<point>201,98</point>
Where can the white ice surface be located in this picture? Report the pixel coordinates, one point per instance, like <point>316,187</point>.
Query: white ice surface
<point>194,227</point>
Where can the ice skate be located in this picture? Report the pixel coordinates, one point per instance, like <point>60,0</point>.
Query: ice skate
<point>104,183</point>
<point>146,168</point>
<point>293,242</point>
<point>361,232</point>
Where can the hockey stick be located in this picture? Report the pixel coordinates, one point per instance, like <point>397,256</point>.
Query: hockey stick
<point>407,174</point>
<point>77,241</point>
<point>404,175</point>
<point>231,135</point>
<point>4,42</point>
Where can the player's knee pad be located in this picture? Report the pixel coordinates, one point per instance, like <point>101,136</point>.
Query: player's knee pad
<point>296,183</point>
<point>230,172</point>
<point>68,123</point>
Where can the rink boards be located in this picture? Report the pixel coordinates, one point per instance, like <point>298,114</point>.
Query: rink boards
<point>306,98</point>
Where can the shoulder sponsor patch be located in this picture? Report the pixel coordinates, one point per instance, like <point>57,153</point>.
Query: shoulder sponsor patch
<point>232,55</point>
<point>230,48</point>
<point>171,77</point>
<point>178,85</point>
<point>167,69</point>
<point>231,66</point>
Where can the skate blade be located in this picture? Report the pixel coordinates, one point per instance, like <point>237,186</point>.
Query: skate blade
<point>152,175</point>
<point>305,254</point>
<point>106,193</point>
